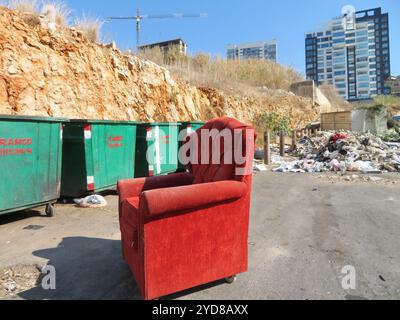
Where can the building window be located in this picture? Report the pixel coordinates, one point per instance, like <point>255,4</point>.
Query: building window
<point>362,33</point>
<point>339,66</point>
<point>341,40</point>
<point>338,60</point>
<point>363,85</point>
<point>338,34</point>
<point>364,39</point>
<point>325,45</point>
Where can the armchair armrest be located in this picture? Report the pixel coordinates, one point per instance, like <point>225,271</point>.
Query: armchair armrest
<point>134,187</point>
<point>191,197</point>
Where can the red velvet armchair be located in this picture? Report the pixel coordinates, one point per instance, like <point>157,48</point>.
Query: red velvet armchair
<point>187,229</point>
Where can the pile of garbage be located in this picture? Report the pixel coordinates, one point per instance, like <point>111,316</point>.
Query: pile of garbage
<point>345,151</point>
<point>392,135</point>
<point>16,279</point>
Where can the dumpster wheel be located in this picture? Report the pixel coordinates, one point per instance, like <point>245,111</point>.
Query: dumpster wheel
<point>49,210</point>
<point>231,279</point>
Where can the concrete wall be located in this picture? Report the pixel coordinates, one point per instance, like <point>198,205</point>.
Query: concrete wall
<point>308,89</point>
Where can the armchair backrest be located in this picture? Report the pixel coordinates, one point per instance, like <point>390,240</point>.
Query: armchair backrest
<point>234,154</point>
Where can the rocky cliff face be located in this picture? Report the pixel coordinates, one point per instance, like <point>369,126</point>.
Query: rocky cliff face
<point>60,73</point>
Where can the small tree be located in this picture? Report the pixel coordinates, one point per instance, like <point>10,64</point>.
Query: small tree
<point>272,121</point>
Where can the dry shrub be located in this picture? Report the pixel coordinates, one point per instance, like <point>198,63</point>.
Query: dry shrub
<point>58,11</point>
<point>233,76</point>
<point>334,98</point>
<point>24,6</point>
<point>155,55</point>
<point>30,9</point>
<point>90,27</point>
<point>32,20</point>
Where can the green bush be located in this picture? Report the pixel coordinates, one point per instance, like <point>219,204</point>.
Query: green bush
<point>273,122</point>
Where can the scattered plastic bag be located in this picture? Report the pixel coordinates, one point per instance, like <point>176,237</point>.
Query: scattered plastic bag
<point>367,167</point>
<point>93,201</point>
<point>335,165</point>
<point>260,167</point>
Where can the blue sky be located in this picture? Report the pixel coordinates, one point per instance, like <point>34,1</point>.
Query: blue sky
<point>234,21</point>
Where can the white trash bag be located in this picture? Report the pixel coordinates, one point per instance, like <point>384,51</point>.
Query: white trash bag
<point>93,201</point>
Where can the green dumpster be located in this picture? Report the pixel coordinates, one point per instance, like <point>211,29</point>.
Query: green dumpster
<point>97,153</point>
<point>30,162</point>
<point>157,149</point>
<point>185,129</point>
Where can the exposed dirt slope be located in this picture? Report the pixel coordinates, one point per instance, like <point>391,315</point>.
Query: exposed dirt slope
<point>62,74</point>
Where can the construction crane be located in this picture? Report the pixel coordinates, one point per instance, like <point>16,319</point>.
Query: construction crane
<point>140,17</point>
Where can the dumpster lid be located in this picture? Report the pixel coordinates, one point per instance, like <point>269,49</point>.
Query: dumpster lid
<point>160,123</point>
<point>195,122</point>
<point>31,118</point>
<point>94,121</point>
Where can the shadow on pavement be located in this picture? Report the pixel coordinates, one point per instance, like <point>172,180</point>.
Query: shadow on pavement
<point>86,268</point>
<point>92,269</point>
<point>21,215</point>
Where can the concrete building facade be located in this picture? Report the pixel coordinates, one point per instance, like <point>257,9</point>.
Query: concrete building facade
<point>166,46</point>
<point>257,50</point>
<point>352,53</point>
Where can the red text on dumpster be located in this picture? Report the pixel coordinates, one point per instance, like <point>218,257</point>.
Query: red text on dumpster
<point>114,142</point>
<point>7,146</point>
<point>165,139</point>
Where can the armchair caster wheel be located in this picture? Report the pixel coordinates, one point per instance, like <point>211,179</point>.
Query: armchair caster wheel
<point>231,279</point>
